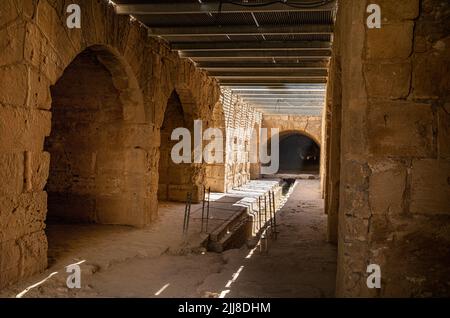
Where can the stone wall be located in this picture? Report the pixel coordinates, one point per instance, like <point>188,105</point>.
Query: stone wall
<point>241,119</point>
<point>36,48</point>
<point>394,205</point>
<point>310,126</point>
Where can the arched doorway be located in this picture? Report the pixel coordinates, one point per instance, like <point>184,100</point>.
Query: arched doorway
<point>298,154</point>
<point>175,179</point>
<point>98,170</point>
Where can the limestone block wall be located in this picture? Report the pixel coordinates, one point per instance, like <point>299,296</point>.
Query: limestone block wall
<point>36,48</point>
<point>240,121</point>
<point>394,205</point>
<point>215,172</point>
<point>310,126</point>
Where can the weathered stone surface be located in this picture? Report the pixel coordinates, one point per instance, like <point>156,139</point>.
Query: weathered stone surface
<point>23,129</point>
<point>22,214</point>
<point>39,91</point>
<point>430,187</point>
<point>399,10</point>
<point>430,71</point>
<point>390,41</point>
<point>8,13</point>
<point>109,210</point>
<point>400,129</point>
<point>387,186</point>
<point>11,43</point>
<point>311,126</point>
<point>22,257</point>
<point>388,80</point>
<point>444,132</point>
<point>12,169</point>
<point>14,90</point>
<point>40,163</point>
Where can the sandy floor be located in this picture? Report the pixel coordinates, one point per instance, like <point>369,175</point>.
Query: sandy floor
<point>125,262</point>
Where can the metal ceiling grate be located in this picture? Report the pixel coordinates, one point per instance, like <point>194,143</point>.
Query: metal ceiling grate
<point>275,55</point>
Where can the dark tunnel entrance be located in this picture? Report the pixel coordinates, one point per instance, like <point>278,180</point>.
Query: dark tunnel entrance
<point>298,154</point>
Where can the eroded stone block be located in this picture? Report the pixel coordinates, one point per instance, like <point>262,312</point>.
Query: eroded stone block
<point>387,185</point>
<point>400,129</point>
<point>390,80</point>
<point>390,41</point>
<point>430,187</point>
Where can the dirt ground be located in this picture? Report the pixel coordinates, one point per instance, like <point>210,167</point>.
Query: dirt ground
<point>121,261</point>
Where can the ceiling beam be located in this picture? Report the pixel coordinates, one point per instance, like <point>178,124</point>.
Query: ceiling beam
<point>288,105</point>
<point>269,73</point>
<point>270,93</point>
<point>293,113</point>
<point>257,64</point>
<point>278,87</point>
<point>271,82</point>
<point>275,99</point>
<point>262,69</point>
<point>252,45</point>
<point>255,54</point>
<point>163,7</point>
<point>278,96</point>
<point>271,77</point>
<point>190,31</point>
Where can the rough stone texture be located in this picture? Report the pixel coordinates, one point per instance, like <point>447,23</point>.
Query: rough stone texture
<point>404,10</point>
<point>430,187</point>
<point>240,121</point>
<point>310,126</point>
<point>391,80</point>
<point>331,145</point>
<point>400,128</point>
<point>394,172</point>
<point>398,35</point>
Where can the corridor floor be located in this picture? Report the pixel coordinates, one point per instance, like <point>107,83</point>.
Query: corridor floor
<point>298,264</point>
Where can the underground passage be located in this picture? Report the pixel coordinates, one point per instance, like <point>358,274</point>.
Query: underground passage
<point>349,98</point>
<point>298,154</point>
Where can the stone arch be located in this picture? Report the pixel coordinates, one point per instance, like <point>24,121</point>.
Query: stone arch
<point>187,101</point>
<point>313,165</point>
<point>176,179</point>
<point>303,132</point>
<point>99,166</point>
<point>122,75</point>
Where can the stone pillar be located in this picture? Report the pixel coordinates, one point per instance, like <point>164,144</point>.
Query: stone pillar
<point>395,166</point>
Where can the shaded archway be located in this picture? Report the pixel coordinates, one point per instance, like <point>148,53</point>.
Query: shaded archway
<point>298,154</point>
<point>175,179</point>
<point>98,168</point>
